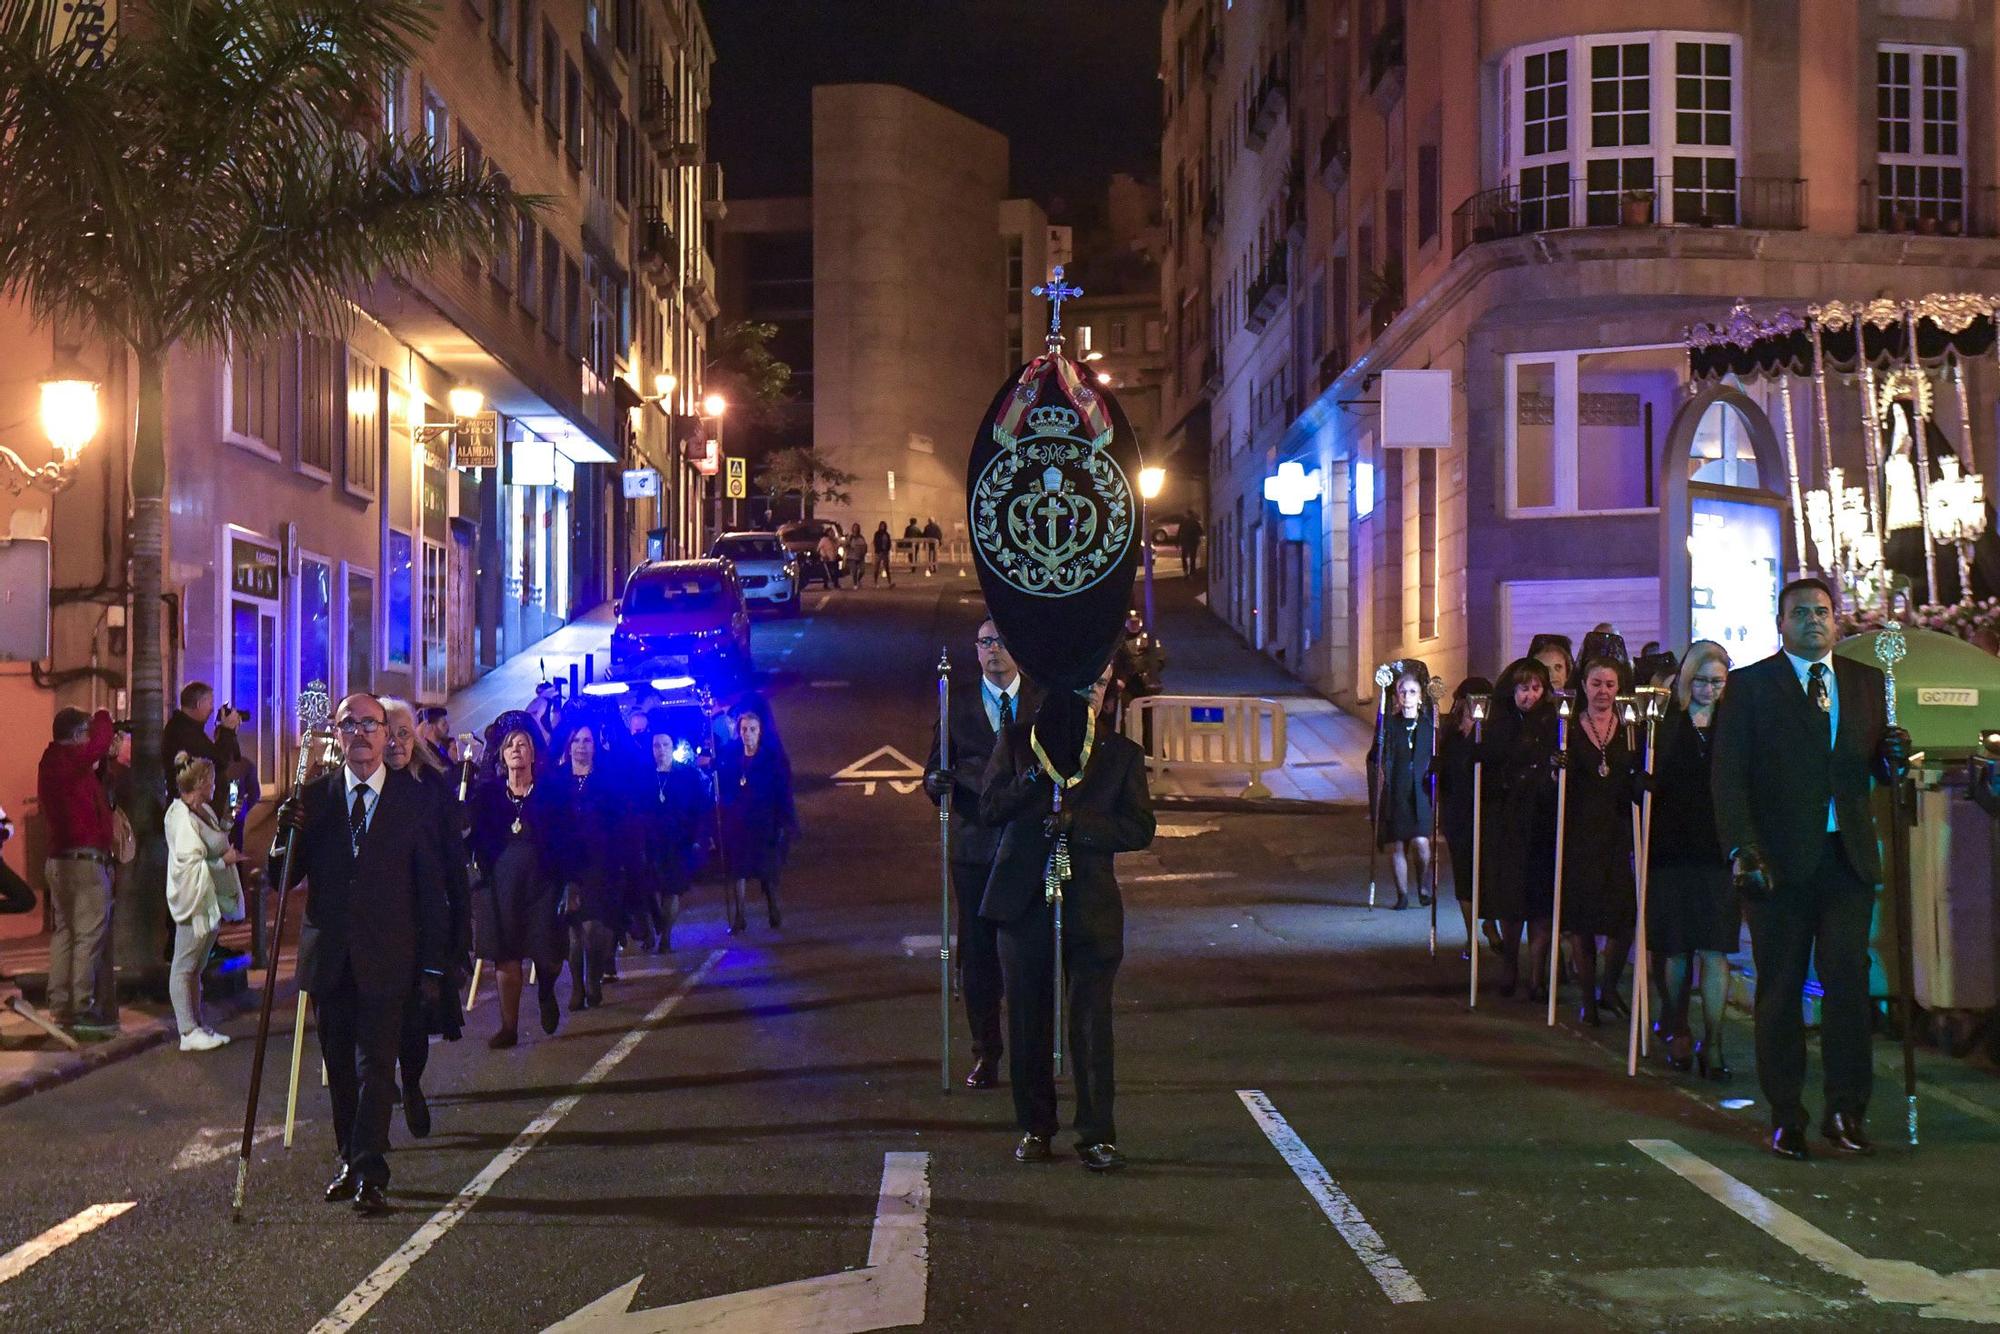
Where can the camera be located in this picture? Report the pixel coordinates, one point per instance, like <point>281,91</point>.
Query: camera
<point>242,715</point>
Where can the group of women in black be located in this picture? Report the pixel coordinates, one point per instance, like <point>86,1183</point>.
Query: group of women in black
<point>590,833</point>
<point>1694,918</point>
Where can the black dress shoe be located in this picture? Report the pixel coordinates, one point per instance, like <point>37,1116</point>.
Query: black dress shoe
<point>1033,1149</point>
<point>1789,1142</point>
<point>503,1039</point>
<point>1587,1013</point>
<point>985,1074</point>
<point>1846,1135</point>
<point>1100,1157</point>
<point>372,1200</point>
<point>343,1186</point>
<point>416,1110</point>
<point>551,1015</point>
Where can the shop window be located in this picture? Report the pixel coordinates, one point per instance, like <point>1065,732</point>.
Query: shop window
<point>255,397</point>
<point>314,634</point>
<point>436,678</point>
<point>358,625</point>
<point>1584,428</point>
<point>397,630</point>
<point>1919,139</point>
<point>366,424</point>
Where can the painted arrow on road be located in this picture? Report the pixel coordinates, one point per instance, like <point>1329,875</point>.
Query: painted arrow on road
<point>888,1294</point>
<point>885,764</point>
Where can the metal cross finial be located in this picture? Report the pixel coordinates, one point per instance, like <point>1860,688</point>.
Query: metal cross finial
<point>1057,291</point>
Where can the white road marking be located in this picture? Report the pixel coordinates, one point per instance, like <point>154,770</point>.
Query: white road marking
<point>1973,1295</point>
<point>211,1144</point>
<point>1178,877</point>
<point>884,764</point>
<point>23,1257</point>
<point>888,1294</point>
<point>375,1287</point>
<point>1362,1239</point>
<point>819,603</point>
<point>831,685</point>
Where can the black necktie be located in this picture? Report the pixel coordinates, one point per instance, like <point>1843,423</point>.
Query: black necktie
<point>1817,693</point>
<point>1006,712</point>
<point>357,819</point>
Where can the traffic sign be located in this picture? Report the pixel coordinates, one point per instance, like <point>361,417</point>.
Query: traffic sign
<point>738,477</point>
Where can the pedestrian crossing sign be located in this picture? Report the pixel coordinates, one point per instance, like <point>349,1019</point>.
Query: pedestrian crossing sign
<point>737,479</point>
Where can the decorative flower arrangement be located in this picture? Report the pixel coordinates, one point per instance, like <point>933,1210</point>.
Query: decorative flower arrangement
<point>1976,621</point>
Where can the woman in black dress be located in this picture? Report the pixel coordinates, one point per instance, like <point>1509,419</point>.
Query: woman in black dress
<point>591,849</point>
<point>1691,906</point>
<point>1455,759</point>
<point>1402,796</point>
<point>1518,855</point>
<point>1600,892</point>
<point>514,819</point>
<point>755,787</point>
<point>678,808</point>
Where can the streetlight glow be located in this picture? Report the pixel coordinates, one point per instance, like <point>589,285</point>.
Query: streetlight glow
<point>1151,482</point>
<point>664,384</point>
<point>466,402</point>
<point>69,414</point>
<point>715,405</point>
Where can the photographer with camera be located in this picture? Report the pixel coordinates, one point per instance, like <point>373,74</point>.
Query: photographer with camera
<point>186,734</point>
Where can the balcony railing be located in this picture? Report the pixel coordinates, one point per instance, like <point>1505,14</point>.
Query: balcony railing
<point>1266,105</point>
<point>1267,291</point>
<point>656,106</point>
<point>1768,203</point>
<point>1334,153</point>
<point>714,203</point>
<point>658,250</point>
<point>1977,214</point>
<point>1386,58</point>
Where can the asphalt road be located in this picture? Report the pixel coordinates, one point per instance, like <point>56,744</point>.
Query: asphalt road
<point>724,1124</point>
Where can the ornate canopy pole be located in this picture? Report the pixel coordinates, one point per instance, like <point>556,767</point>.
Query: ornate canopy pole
<point>1920,451</point>
<point>1792,478</point>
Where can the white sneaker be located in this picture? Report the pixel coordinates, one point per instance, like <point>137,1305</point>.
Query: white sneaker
<point>221,1039</point>
<point>202,1040</point>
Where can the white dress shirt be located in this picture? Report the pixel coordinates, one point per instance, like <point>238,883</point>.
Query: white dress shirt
<point>990,695</point>
<point>372,785</point>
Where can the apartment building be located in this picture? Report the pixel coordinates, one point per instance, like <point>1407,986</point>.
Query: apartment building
<point>1539,197</point>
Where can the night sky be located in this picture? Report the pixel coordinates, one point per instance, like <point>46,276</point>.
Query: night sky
<point>1072,83</point>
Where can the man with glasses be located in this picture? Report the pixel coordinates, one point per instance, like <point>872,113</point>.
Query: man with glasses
<point>1799,740</point>
<point>376,938</point>
<point>979,713</point>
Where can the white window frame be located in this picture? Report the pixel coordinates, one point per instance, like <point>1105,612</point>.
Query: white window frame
<point>1564,464</point>
<point>1917,159</point>
<point>1663,145</point>
<point>336,667</point>
<point>252,444</point>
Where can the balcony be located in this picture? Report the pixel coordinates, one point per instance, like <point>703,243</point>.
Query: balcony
<point>1334,153</point>
<point>701,285</point>
<point>1266,295</point>
<point>1385,65</point>
<point>1267,104</point>
<point>714,204</point>
<point>1766,203</point>
<point>656,107</point>
<point>1974,216</point>
<point>1211,215</point>
<point>659,251</point>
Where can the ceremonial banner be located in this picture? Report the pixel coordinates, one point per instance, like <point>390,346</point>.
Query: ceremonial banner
<point>1054,516</point>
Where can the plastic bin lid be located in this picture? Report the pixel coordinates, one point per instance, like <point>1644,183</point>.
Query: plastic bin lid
<point>1947,691</point>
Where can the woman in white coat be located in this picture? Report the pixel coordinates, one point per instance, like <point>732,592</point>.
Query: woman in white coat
<point>202,892</point>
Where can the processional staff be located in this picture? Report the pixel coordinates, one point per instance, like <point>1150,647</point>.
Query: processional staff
<point>1562,822</point>
<point>1385,676</point>
<point>1434,691</point>
<point>944,872</point>
<point>1891,648</point>
<point>1479,704</point>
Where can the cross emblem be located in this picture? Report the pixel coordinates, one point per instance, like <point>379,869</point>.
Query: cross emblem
<point>1057,291</point>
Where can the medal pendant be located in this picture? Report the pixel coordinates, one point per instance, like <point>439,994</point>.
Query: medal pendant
<point>517,826</point>
<point>1826,704</point>
<point>1604,769</point>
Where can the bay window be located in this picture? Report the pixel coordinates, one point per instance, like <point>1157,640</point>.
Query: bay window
<point>1584,428</point>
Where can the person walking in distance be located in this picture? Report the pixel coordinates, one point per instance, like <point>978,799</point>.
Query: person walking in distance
<point>912,536</point>
<point>83,992</point>
<point>933,535</point>
<point>857,556</point>
<point>1189,541</point>
<point>883,544</point>
<point>979,715</point>
<point>376,938</point>
<point>1106,809</point>
<point>1800,738</point>
<point>202,893</point>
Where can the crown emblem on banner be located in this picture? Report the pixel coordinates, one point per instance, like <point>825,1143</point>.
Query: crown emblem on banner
<point>1053,419</point>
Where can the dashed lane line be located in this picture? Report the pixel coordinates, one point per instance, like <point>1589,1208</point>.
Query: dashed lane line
<point>29,1253</point>
<point>375,1287</point>
<point>1361,1238</point>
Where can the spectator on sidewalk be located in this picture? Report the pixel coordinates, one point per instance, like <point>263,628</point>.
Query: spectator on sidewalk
<point>883,542</point>
<point>202,893</point>
<point>911,536</point>
<point>186,734</point>
<point>857,554</point>
<point>932,536</point>
<point>83,992</point>
<point>827,550</point>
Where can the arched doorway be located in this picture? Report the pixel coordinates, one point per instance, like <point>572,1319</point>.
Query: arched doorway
<point>1725,532</point>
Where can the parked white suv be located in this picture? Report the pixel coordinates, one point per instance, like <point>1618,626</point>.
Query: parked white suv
<point>768,572</point>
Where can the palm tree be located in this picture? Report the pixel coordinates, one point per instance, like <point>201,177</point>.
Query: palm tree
<point>208,170</point>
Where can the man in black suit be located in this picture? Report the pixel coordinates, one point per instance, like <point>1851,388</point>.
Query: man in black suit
<point>978,715</point>
<point>376,936</point>
<point>1799,739</point>
<point>1107,810</point>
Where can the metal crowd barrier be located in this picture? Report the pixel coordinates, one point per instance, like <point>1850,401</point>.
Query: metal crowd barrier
<point>1211,732</point>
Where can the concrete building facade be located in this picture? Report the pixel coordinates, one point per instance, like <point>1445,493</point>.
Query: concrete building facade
<point>1540,198</point>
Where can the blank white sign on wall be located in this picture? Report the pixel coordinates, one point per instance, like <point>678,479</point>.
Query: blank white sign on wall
<point>24,599</point>
<point>1416,409</point>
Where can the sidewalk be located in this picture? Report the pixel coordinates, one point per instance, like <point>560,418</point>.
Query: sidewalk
<point>1326,750</point>
<point>512,684</point>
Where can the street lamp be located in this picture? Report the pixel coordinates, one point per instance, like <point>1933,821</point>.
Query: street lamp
<point>70,419</point>
<point>1151,482</point>
<point>713,407</point>
<point>468,424</point>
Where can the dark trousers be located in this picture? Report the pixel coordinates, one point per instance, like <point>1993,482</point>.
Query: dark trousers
<point>414,1049</point>
<point>1027,965</point>
<point>1823,922</point>
<point>978,960</point>
<point>359,1033</point>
